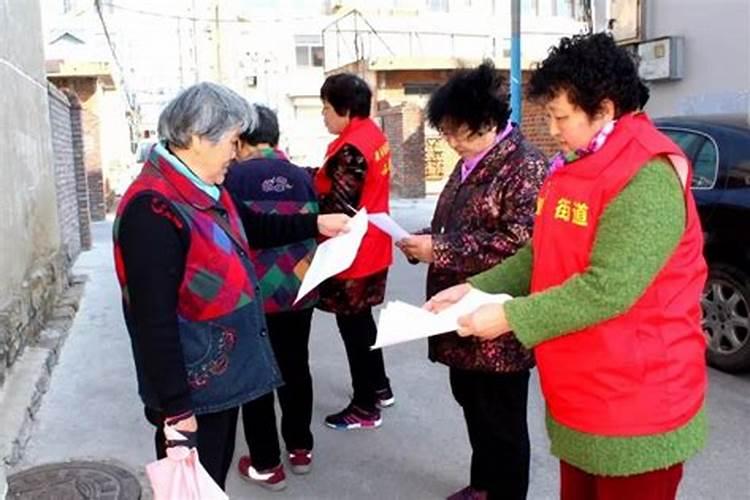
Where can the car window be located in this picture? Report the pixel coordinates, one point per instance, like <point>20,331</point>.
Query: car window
<point>704,166</point>
<point>689,142</point>
<point>701,151</point>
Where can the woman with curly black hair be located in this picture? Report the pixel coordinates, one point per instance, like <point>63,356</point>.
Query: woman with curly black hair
<point>484,215</point>
<point>608,292</point>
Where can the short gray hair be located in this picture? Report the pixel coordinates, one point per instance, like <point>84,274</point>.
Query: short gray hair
<point>208,110</point>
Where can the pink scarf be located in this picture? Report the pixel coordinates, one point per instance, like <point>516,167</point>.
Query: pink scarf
<point>561,159</point>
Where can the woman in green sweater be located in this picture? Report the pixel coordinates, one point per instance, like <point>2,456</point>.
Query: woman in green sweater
<point>608,291</point>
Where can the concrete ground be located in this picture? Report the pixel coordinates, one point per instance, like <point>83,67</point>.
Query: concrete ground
<point>421,452</point>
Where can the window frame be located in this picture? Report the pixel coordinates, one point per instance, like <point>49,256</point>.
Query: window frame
<point>707,137</point>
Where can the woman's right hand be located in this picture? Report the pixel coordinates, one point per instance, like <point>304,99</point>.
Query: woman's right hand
<point>188,429</point>
<point>333,224</point>
<point>190,424</point>
<point>447,297</point>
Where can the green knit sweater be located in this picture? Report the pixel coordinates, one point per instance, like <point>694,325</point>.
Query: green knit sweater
<point>637,233</point>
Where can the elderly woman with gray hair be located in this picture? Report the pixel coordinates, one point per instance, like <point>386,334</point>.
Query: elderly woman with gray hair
<point>189,291</point>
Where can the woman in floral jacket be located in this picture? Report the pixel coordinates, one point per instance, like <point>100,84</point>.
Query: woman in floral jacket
<point>484,215</point>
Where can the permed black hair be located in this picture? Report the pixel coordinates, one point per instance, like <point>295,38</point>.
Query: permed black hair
<point>347,92</point>
<point>475,97</point>
<point>265,131</point>
<point>590,68</point>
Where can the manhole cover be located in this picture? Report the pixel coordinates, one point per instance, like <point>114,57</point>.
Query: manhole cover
<point>74,481</point>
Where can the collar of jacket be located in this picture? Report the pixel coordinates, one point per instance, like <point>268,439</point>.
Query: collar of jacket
<point>160,160</point>
<point>494,160</point>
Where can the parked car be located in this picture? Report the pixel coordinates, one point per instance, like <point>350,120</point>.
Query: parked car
<point>719,149</point>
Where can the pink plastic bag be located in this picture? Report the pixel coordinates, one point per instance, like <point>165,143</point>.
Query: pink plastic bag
<point>181,476</point>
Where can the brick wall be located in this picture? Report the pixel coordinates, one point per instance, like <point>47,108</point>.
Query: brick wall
<point>82,190</point>
<point>535,129</point>
<point>88,92</point>
<point>391,84</point>
<point>92,159</point>
<point>404,127</point>
<point>65,179</point>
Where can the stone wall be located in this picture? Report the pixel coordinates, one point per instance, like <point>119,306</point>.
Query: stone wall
<point>32,267</point>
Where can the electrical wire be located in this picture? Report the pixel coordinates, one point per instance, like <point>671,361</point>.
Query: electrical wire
<point>128,98</point>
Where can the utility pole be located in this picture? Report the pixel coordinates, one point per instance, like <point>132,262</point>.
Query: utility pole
<point>179,52</point>
<point>196,72</point>
<point>516,77</point>
<point>217,36</point>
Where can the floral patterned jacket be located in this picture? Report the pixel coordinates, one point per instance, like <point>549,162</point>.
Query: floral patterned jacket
<point>477,224</point>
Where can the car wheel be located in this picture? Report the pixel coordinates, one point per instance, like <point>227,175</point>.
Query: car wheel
<point>726,318</point>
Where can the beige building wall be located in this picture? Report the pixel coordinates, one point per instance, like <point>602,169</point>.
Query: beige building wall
<point>28,214</point>
<point>717,56</point>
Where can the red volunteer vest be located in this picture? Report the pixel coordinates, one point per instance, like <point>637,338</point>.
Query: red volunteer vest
<point>642,372</point>
<point>376,251</point>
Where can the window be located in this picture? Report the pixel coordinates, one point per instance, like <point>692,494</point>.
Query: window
<point>701,150</point>
<point>507,48</point>
<point>545,8</point>
<point>530,7</point>
<point>437,5</point>
<point>689,142</point>
<point>420,88</point>
<point>309,50</point>
<point>704,166</point>
<point>564,8</point>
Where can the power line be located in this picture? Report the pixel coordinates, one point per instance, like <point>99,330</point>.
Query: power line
<point>128,98</point>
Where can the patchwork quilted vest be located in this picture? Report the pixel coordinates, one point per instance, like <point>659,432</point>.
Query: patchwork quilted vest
<point>274,185</point>
<point>228,357</point>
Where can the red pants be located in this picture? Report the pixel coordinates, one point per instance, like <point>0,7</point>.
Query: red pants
<point>576,484</point>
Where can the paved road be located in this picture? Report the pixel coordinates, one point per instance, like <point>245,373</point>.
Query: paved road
<point>421,452</point>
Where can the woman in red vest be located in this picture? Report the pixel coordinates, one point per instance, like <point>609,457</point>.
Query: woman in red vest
<point>484,215</point>
<point>608,292</point>
<point>356,174</point>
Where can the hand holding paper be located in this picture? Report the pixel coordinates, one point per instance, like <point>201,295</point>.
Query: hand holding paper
<point>487,322</point>
<point>418,246</point>
<point>333,224</point>
<point>334,255</point>
<point>400,322</point>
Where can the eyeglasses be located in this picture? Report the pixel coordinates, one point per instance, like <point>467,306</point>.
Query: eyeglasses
<point>461,133</point>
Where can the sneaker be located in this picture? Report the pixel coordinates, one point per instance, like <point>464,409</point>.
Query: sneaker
<point>468,493</point>
<point>384,397</point>
<point>300,461</point>
<point>272,479</point>
<point>354,417</point>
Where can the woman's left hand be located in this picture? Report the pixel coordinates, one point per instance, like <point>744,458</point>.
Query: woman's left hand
<point>333,224</point>
<point>417,246</point>
<point>487,322</point>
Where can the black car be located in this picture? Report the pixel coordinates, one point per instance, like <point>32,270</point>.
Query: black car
<point>719,149</point>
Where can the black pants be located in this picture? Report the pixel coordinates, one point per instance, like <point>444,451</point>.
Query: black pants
<point>367,367</point>
<point>290,334</point>
<point>494,406</point>
<point>216,434</point>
